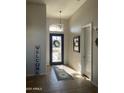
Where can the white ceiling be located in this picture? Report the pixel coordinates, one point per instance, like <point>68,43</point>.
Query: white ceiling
<point>68,7</point>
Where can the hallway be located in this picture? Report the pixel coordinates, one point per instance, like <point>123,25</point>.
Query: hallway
<point>61,37</point>
<point>49,84</point>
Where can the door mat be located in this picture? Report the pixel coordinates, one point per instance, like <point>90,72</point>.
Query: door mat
<point>61,74</point>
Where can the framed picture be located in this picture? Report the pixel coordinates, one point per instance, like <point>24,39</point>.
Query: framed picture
<point>96,41</point>
<point>76,44</point>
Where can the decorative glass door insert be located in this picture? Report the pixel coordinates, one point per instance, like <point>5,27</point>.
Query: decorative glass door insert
<point>56,48</point>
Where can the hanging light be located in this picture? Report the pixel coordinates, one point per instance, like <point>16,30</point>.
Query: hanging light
<point>60,22</point>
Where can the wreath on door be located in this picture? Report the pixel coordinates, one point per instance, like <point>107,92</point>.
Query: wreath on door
<point>56,43</point>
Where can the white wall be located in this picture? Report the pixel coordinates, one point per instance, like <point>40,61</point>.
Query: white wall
<point>66,37</point>
<point>86,14</point>
<point>95,59</point>
<point>35,35</point>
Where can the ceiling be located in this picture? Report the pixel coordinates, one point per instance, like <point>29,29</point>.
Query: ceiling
<point>68,7</point>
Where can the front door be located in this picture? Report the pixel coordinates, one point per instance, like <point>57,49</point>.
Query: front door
<point>56,49</point>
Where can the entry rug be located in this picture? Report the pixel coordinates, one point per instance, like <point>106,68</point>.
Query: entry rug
<point>61,74</point>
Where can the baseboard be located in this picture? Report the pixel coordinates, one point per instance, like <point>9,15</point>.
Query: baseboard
<point>28,75</point>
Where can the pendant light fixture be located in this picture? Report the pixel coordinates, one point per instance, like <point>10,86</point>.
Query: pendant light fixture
<point>60,21</point>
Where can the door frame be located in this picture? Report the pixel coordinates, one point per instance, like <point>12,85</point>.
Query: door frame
<point>62,49</point>
<point>82,52</point>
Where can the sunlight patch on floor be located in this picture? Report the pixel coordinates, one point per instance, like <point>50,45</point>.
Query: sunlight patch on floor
<point>70,71</point>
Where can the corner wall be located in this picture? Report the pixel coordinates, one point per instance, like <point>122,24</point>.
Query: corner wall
<point>35,35</point>
<point>86,14</point>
